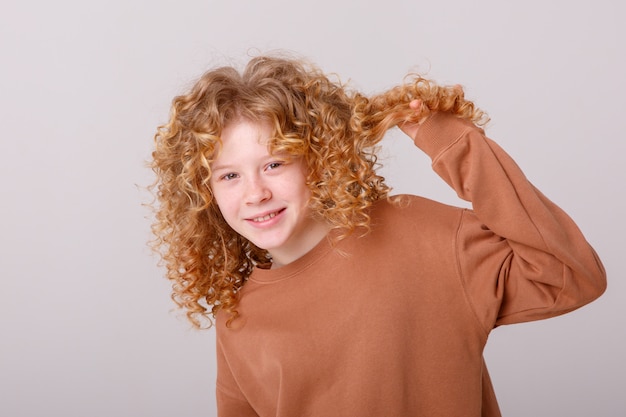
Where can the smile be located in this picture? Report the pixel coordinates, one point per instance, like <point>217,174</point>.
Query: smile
<point>266,217</point>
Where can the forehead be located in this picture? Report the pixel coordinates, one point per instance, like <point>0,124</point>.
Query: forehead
<point>245,129</point>
<point>242,139</point>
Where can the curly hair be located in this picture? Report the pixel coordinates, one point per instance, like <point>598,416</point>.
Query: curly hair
<point>333,129</point>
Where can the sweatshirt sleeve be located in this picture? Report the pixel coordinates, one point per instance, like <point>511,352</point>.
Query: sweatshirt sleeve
<point>230,401</point>
<point>519,256</point>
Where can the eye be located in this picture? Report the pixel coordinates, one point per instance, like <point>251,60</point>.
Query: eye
<point>229,176</point>
<point>274,165</point>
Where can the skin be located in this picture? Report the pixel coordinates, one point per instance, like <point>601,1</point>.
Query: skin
<point>410,129</point>
<point>264,197</point>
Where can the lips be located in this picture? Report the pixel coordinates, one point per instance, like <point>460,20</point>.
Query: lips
<point>265,217</point>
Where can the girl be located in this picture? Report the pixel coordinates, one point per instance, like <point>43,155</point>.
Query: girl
<point>331,297</point>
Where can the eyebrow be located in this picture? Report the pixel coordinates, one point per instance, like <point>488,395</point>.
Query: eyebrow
<point>219,167</point>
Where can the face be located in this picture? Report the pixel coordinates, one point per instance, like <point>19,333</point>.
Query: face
<point>264,197</point>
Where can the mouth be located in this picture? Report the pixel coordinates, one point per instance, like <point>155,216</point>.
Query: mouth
<point>266,217</point>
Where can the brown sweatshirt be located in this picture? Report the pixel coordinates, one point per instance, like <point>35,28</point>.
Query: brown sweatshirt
<point>394,323</point>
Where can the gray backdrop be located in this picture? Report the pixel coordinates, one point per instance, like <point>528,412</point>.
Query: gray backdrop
<point>87,327</point>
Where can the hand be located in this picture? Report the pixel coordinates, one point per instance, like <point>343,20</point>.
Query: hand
<point>420,113</point>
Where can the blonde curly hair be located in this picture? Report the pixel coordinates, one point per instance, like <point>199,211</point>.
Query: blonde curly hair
<point>333,129</point>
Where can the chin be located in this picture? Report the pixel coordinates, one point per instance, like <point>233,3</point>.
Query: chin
<point>268,244</point>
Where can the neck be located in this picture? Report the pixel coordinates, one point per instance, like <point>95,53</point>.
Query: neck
<point>296,250</point>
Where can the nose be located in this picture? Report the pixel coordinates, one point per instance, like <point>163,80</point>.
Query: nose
<point>257,191</point>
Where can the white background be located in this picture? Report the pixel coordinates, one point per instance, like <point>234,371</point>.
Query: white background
<point>87,327</point>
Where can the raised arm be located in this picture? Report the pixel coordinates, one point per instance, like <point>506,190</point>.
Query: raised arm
<point>520,257</point>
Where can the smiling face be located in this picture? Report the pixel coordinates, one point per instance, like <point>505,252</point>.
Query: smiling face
<point>264,197</point>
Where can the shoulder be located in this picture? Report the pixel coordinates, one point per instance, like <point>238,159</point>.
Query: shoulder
<point>408,214</point>
<point>411,206</point>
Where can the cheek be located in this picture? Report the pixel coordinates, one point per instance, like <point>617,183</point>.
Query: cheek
<point>297,182</point>
<point>296,190</point>
<point>225,203</point>
<point>306,194</point>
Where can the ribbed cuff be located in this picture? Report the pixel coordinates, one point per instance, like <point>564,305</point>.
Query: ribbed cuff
<point>439,131</point>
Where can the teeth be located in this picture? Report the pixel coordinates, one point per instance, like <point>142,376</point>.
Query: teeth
<point>264,218</point>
